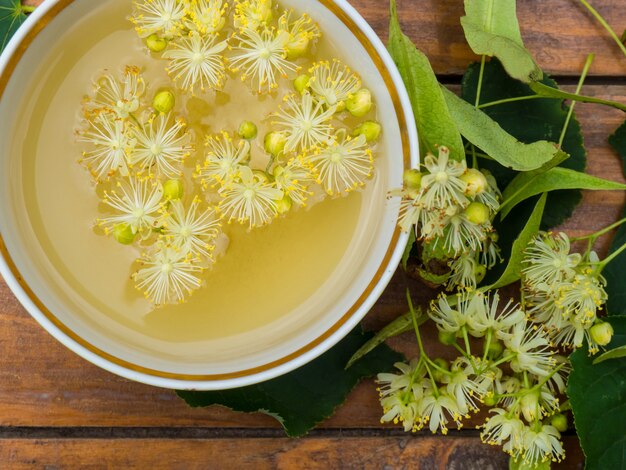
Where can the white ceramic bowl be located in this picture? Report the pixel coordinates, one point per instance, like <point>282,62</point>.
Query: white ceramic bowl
<point>266,353</point>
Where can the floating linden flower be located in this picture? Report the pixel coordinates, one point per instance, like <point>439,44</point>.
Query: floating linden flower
<point>302,32</point>
<point>263,58</point>
<point>191,230</point>
<point>306,122</point>
<point>110,140</point>
<point>206,16</point>
<point>158,16</point>
<point>344,165</point>
<point>252,14</point>
<point>250,198</point>
<point>168,275</point>
<point>162,145</point>
<point>119,96</point>
<point>137,202</point>
<point>223,160</point>
<point>294,179</point>
<point>333,82</point>
<point>197,61</point>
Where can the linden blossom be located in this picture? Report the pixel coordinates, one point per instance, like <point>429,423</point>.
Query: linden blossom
<point>139,143</point>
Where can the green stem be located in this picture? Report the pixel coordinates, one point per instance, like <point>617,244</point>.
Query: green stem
<point>611,257</point>
<point>27,9</point>
<point>606,26</point>
<point>583,76</point>
<point>480,81</point>
<point>599,233</point>
<point>487,345</point>
<point>503,360</point>
<point>510,100</point>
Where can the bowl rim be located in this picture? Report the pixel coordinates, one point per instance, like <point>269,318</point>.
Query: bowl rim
<point>375,48</point>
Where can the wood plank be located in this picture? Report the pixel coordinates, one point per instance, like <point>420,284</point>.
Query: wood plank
<point>44,384</point>
<point>560,33</point>
<point>414,452</point>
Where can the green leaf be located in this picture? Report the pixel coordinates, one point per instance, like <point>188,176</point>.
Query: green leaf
<point>526,185</point>
<point>550,92</point>
<point>488,135</point>
<point>513,271</point>
<point>305,397</point>
<point>434,124</point>
<point>614,273</point>
<point>596,393</point>
<point>519,464</point>
<point>400,325</point>
<point>11,18</point>
<point>491,29</point>
<point>616,353</point>
<point>528,121</point>
<point>409,248</point>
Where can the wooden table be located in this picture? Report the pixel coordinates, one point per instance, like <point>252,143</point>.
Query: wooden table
<point>59,411</point>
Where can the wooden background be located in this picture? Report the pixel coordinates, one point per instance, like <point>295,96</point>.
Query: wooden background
<point>59,411</point>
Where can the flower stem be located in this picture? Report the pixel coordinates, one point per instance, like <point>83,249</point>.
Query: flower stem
<point>606,26</point>
<point>487,345</point>
<point>513,100</point>
<point>27,9</point>
<point>599,233</point>
<point>611,257</point>
<point>583,76</point>
<point>480,81</point>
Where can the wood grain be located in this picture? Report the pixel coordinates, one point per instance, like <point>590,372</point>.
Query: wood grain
<point>42,384</point>
<point>410,452</point>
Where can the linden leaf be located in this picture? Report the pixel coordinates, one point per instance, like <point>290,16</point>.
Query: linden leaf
<point>528,121</point>
<point>526,185</point>
<point>491,138</point>
<point>400,325</point>
<point>11,18</point>
<point>551,92</point>
<point>513,271</point>
<point>491,28</point>
<point>305,397</point>
<point>616,353</point>
<point>434,124</point>
<point>596,393</point>
<point>614,273</point>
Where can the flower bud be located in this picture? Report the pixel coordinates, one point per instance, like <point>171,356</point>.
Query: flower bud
<point>370,129</point>
<point>477,213</point>
<point>156,43</point>
<point>360,103</point>
<point>602,333</point>
<point>248,130</point>
<point>559,421</point>
<point>480,271</point>
<point>476,182</point>
<point>412,179</point>
<point>124,234</point>
<point>530,406</point>
<point>442,364</point>
<point>496,348</point>
<point>284,205</point>
<point>446,338</point>
<point>298,46</point>
<point>301,83</point>
<point>490,400</point>
<point>164,101</point>
<point>275,143</point>
<point>173,190</point>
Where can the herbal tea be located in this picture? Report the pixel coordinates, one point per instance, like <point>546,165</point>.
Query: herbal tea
<point>221,145</point>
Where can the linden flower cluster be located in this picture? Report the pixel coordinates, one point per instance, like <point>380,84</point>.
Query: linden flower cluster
<point>136,156</point>
<point>204,40</point>
<point>517,375</point>
<point>564,292</point>
<point>451,208</point>
<point>141,154</point>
